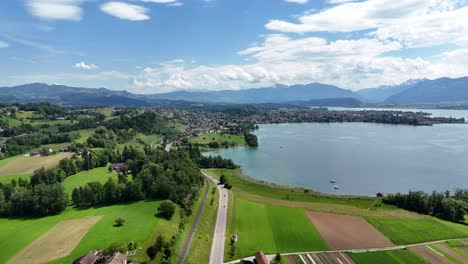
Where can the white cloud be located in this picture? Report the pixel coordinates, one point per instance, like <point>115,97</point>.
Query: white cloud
<point>3,45</point>
<point>415,23</point>
<point>83,65</point>
<point>297,1</point>
<point>55,9</point>
<point>159,1</point>
<point>334,2</point>
<point>126,11</point>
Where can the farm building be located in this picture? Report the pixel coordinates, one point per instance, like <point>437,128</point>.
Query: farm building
<point>117,258</point>
<point>90,258</point>
<point>260,258</point>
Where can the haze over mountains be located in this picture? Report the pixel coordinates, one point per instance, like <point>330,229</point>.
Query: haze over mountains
<point>443,91</point>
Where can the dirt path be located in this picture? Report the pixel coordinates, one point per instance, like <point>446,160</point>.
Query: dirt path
<point>188,241</point>
<point>217,249</point>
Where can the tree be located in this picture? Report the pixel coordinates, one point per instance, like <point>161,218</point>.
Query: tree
<point>228,186</point>
<point>119,222</point>
<point>166,210</point>
<point>114,248</point>
<point>223,179</point>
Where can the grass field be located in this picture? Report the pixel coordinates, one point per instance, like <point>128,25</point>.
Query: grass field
<point>140,226</point>
<point>409,231</point>
<point>272,229</point>
<point>388,257</point>
<point>201,245</point>
<point>9,178</point>
<point>455,246</point>
<point>57,242</point>
<point>205,138</point>
<point>27,165</point>
<point>4,162</point>
<point>84,135</point>
<point>95,175</point>
<point>244,184</point>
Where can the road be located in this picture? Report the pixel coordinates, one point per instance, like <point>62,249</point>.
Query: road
<point>217,248</point>
<point>188,241</point>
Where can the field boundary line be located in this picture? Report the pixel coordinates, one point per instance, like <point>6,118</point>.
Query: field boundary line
<point>355,250</point>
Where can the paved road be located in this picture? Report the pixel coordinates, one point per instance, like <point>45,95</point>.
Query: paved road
<point>188,241</point>
<point>217,249</point>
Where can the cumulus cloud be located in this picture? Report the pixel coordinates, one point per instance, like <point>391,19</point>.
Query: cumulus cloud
<point>85,66</point>
<point>126,11</point>
<point>55,9</point>
<point>3,45</point>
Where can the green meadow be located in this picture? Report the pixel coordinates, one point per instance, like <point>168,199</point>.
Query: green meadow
<point>388,257</point>
<point>140,224</point>
<point>95,175</point>
<point>410,231</point>
<point>206,138</point>
<point>272,229</point>
<point>239,182</point>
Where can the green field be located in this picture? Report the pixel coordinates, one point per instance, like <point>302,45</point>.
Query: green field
<point>388,257</point>
<point>95,175</point>
<point>290,194</point>
<point>140,225</point>
<point>8,179</point>
<point>455,246</point>
<point>205,138</point>
<point>409,231</point>
<point>201,245</point>
<point>3,162</point>
<point>272,229</point>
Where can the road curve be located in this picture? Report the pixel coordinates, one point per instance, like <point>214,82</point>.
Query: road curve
<point>217,248</point>
<point>188,241</point>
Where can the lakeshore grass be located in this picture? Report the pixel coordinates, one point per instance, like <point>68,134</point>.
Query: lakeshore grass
<point>206,138</point>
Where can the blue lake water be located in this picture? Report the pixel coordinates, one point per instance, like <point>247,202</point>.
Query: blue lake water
<point>363,158</point>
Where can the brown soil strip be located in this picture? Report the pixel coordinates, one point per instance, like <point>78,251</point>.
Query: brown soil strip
<point>451,252</point>
<point>347,232</point>
<point>429,255</point>
<point>57,243</point>
<point>27,165</point>
<point>464,249</point>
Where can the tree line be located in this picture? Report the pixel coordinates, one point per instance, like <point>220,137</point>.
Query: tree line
<point>442,205</point>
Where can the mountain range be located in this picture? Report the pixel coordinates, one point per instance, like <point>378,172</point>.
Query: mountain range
<point>442,91</point>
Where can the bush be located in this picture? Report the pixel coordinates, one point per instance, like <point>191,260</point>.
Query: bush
<point>166,210</point>
<point>119,222</point>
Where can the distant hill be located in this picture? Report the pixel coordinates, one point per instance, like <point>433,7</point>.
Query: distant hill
<point>382,93</point>
<point>275,94</point>
<point>440,91</point>
<point>339,102</point>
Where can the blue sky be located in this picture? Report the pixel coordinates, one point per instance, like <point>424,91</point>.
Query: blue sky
<point>151,46</point>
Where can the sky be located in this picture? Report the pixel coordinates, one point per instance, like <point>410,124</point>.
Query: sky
<point>155,46</point>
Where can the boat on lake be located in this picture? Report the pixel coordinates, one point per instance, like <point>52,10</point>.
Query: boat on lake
<point>332,181</point>
<point>336,187</point>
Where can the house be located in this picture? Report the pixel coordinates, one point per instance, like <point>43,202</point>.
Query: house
<point>90,258</point>
<point>35,154</point>
<point>260,258</point>
<point>117,258</point>
<point>120,168</point>
<point>379,195</point>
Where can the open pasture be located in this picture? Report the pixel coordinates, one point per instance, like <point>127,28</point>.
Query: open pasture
<point>95,175</point>
<point>410,231</point>
<point>347,232</point>
<point>273,229</point>
<point>58,242</point>
<point>140,225</point>
<point>27,165</point>
<point>206,138</point>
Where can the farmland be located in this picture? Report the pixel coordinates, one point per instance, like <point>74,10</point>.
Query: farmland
<point>27,165</point>
<point>409,231</point>
<point>387,257</point>
<point>272,229</point>
<point>15,234</point>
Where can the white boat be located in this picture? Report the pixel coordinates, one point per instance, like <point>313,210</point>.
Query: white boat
<point>336,187</point>
<point>332,181</point>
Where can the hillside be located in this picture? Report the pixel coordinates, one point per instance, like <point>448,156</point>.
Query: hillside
<point>439,91</point>
<point>381,93</point>
<point>275,94</point>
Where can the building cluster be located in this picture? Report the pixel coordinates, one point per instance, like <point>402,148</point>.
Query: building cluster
<point>98,257</point>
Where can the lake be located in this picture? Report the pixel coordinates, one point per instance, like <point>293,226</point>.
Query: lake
<point>363,158</point>
<point>434,112</point>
